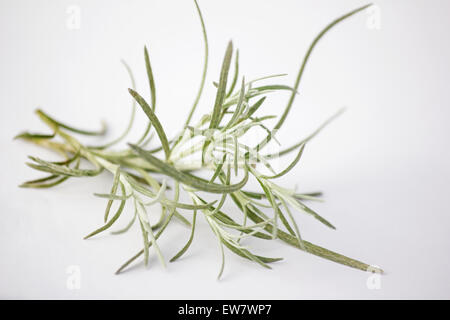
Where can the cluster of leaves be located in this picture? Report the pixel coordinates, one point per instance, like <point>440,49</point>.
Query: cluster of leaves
<point>217,140</point>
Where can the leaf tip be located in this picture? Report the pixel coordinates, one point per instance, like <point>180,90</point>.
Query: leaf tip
<point>132,146</point>
<point>21,135</point>
<point>375,269</point>
<point>89,235</point>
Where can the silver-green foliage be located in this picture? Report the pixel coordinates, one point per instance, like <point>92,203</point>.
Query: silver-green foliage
<point>218,138</point>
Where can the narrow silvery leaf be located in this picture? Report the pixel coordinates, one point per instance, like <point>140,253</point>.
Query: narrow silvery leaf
<point>205,65</point>
<point>291,165</point>
<point>47,118</point>
<point>113,219</point>
<point>154,120</point>
<point>189,179</point>
<point>220,96</point>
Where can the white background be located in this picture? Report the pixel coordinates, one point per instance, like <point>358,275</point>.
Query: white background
<point>383,165</point>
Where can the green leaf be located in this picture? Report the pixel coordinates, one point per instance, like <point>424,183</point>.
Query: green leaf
<point>306,58</point>
<point>303,65</point>
<point>111,196</point>
<point>127,227</point>
<point>139,188</point>
<point>294,223</point>
<point>305,140</point>
<point>253,108</point>
<point>46,166</point>
<point>137,255</point>
<point>182,219</point>
<point>151,82</point>
<point>144,219</point>
<point>277,212</point>
<point>239,106</point>
<point>222,265</point>
<point>154,120</point>
<point>68,161</point>
<point>248,255</point>
<point>316,215</point>
<point>113,219</point>
<point>205,66</point>
<point>272,87</point>
<point>188,179</point>
<point>218,169</point>
<point>31,136</point>
<point>44,179</point>
<point>222,217</point>
<point>220,96</point>
<point>113,192</point>
<point>260,195</point>
<point>236,74</point>
<point>314,249</point>
<point>254,195</point>
<point>146,242</point>
<point>51,120</point>
<point>188,244</point>
<point>37,184</point>
<point>236,156</point>
<point>54,179</point>
<point>291,165</point>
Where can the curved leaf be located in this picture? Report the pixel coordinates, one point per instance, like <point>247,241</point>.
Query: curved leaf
<point>188,179</point>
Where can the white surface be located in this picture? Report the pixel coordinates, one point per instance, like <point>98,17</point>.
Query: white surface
<point>383,165</point>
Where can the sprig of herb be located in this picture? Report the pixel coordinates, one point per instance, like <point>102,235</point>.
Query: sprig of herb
<point>218,138</point>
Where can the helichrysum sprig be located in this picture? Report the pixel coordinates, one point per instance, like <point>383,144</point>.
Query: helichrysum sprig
<point>141,175</point>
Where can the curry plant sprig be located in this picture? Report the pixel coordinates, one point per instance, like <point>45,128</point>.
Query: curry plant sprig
<point>214,146</point>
